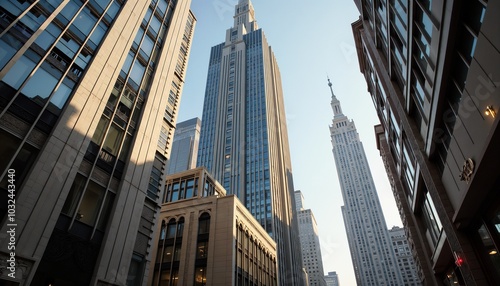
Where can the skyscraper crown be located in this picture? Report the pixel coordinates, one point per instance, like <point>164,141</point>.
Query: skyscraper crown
<point>245,14</point>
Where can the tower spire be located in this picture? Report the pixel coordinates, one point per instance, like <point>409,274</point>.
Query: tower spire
<point>330,85</point>
<point>337,109</point>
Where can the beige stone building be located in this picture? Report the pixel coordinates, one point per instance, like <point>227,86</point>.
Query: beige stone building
<point>208,238</point>
<point>89,93</point>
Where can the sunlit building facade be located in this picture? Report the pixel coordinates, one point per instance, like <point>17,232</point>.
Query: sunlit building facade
<point>309,242</point>
<point>89,92</point>
<point>432,69</point>
<point>244,140</point>
<point>332,279</point>
<point>371,250</point>
<point>207,238</point>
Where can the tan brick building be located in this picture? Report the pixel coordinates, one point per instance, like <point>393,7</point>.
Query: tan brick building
<point>208,238</point>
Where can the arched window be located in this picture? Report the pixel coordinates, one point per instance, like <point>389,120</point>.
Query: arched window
<point>169,252</point>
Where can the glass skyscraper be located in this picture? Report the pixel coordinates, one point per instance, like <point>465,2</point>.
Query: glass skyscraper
<point>244,141</point>
<point>88,96</point>
<point>371,249</point>
<point>184,146</point>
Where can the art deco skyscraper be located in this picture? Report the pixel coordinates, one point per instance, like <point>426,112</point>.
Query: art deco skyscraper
<point>244,141</point>
<point>369,242</point>
<point>404,256</point>
<point>88,96</point>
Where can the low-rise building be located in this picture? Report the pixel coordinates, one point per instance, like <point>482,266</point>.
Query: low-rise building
<point>208,238</point>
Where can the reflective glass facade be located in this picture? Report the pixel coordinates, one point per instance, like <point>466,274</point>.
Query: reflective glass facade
<point>243,140</point>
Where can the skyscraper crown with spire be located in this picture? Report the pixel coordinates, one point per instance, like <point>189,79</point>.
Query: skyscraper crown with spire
<point>337,109</point>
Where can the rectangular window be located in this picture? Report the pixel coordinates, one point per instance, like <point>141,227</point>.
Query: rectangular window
<point>171,230</point>
<point>41,84</point>
<point>168,254</point>
<point>74,195</point>
<point>21,69</point>
<point>202,250</point>
<point>113,139</point>
<point>91,203</point>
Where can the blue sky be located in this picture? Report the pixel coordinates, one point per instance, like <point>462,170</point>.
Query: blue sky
<point>310,39</point>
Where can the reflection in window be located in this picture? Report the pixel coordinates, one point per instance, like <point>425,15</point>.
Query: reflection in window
<point>41,84</point>
<point>84,22</point>
<point>90,204</point>
<point>62,93</point>
<point>9,45</point>
<point>171,229</point>
<point>48,36</point>
<point>424,21</point>
<point>137,72</point>
<point>21,69</point>
<point>432,220</point>
<point>147,45</point>
<point>202,250</point>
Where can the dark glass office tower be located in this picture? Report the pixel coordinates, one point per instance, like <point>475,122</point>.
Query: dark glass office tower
<point>244,141</point>
<point>88,96</point>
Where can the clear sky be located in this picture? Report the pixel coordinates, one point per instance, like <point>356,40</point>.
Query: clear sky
<point>310,39</point>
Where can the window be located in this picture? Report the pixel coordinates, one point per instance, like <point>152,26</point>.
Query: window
<point>41,84</point>
<point>137,72</point>
<point>432,220</point>
<point>61,94</point>
<point>84,23</point>
<point>204,224</point>
<point>171,226</point>
<point>90,204</point>
<point>21,69</point>
<point>147,46</point>
<point>113,139</point>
